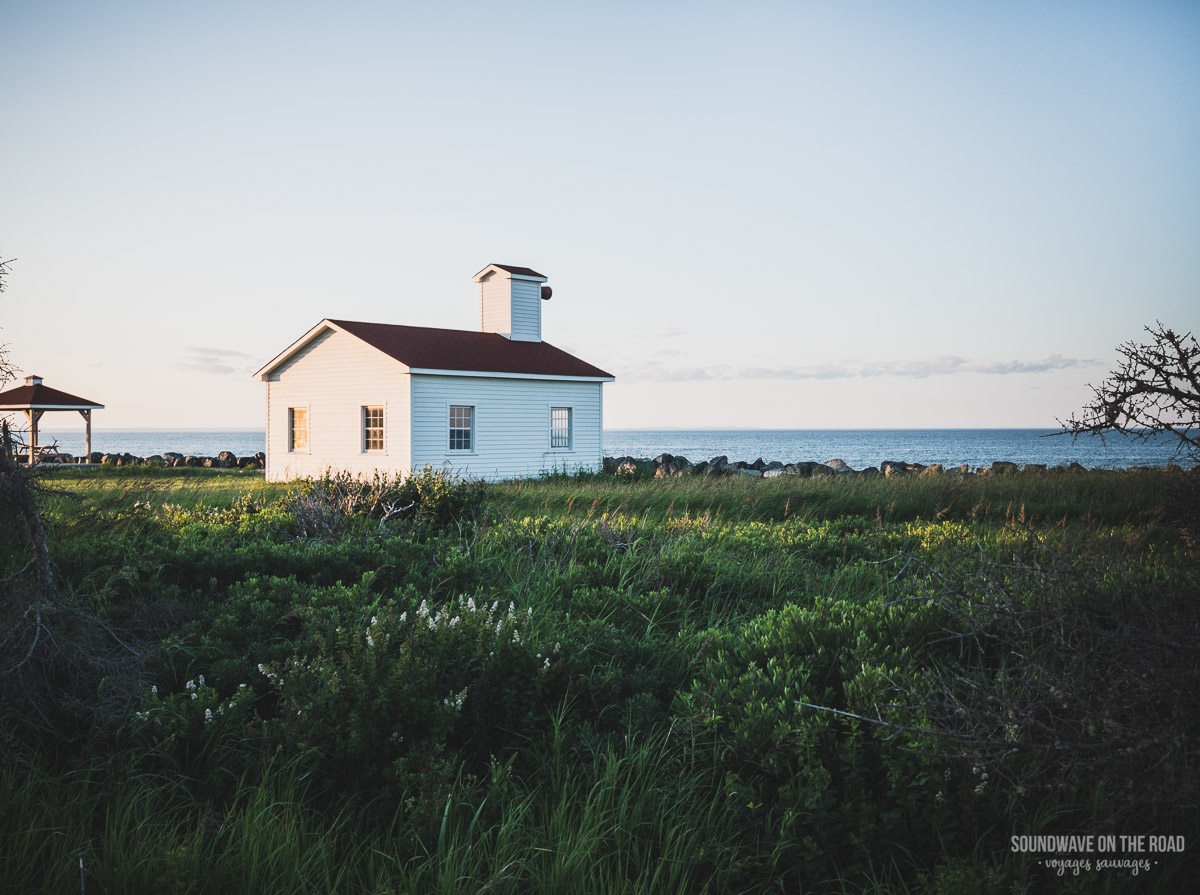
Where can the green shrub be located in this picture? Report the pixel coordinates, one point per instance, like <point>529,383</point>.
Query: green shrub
<point>373,701</point>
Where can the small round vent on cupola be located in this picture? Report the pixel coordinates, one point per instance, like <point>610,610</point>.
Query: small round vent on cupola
<point>546,293</point>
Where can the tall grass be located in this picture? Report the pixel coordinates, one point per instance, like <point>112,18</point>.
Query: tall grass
<point>1098,496</point>
<point>663,749</point>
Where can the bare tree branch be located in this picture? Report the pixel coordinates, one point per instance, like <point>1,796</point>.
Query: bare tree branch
<point>1155,390</point>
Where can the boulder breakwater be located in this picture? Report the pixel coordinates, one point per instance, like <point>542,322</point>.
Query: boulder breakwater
<point>662,466</point>
<point>670,465</point>
<point>223,460</point>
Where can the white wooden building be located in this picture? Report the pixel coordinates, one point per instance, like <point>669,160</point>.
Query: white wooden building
<point>498,403</point>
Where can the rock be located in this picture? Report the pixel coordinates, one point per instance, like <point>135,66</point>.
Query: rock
<point>210,463</point>
<point>227,459</point>
<point>775,473</point>
<point>663,459</point>
<point>717,465</point>
<point>95,457</point>
<point>171,455</point>
<point>1035,467</point>
<point>932,469</point>
<point>672,467</point>
<point>109,459</point>
<point>191,461</point>
<point>870,472</point>
<point>626,467</point>
<point>838,465</point>
<point>893,467</point>
<point>775,464</point>
<point>757,465</point>
<point>1003,467</point>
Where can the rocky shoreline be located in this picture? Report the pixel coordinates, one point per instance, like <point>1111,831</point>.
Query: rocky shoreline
<point>660,467</point>
<point>223,460</point>
<point>669,465</point>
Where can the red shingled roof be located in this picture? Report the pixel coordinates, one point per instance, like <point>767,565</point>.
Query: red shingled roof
<point>39,395</point>
<point>429,348</point>
<point>519,271</point>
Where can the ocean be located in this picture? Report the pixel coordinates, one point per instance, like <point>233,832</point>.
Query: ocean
<point>859,448</point>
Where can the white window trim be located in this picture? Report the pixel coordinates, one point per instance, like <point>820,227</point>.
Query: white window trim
<point>570,448</point>
<point>474,449</point>
<point>307,449</point>
<point>362,428</point>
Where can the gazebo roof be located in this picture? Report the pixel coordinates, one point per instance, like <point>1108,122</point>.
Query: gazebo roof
<point>35,396</point>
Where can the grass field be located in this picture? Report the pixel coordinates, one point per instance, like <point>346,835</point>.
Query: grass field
<point>601,685</point>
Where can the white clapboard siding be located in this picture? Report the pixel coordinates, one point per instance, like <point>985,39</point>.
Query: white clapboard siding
<point>495,304</point>
<point>335,376</point>
<point>526,311</point>
<point>512,425</point>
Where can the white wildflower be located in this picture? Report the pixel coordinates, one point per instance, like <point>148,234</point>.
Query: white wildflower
<point>370,640</point>
<point>153,690</point>
<point>195,695</point>
<point>201,680</point>
<point>190,685</point>
<point>403,617</point>
<point>208,716</point>
<point>471,603</point>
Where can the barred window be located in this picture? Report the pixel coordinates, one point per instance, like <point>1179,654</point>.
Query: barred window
<point>297,428</point>
<point>372,428</point>
<point>560,427</point>
<point>462,427</point>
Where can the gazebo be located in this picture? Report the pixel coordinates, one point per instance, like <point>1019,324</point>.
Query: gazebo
<point>33,399</point>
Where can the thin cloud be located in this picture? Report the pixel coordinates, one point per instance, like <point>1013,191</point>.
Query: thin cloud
<point>916,369</point>
<point>217,362</point>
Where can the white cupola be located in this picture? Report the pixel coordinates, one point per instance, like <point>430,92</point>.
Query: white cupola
<point>510,301</point>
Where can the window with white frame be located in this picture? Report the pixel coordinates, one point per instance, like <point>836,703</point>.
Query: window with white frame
<point>560,428</point>
<point>462,427</point>
<point>372,421</point>
<point>297,429</point>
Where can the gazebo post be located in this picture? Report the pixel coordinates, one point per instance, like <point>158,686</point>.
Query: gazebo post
<point>34,416</point>
<point>87,435</point>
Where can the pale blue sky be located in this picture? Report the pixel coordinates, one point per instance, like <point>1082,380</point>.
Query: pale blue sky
<point>761,215</point>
